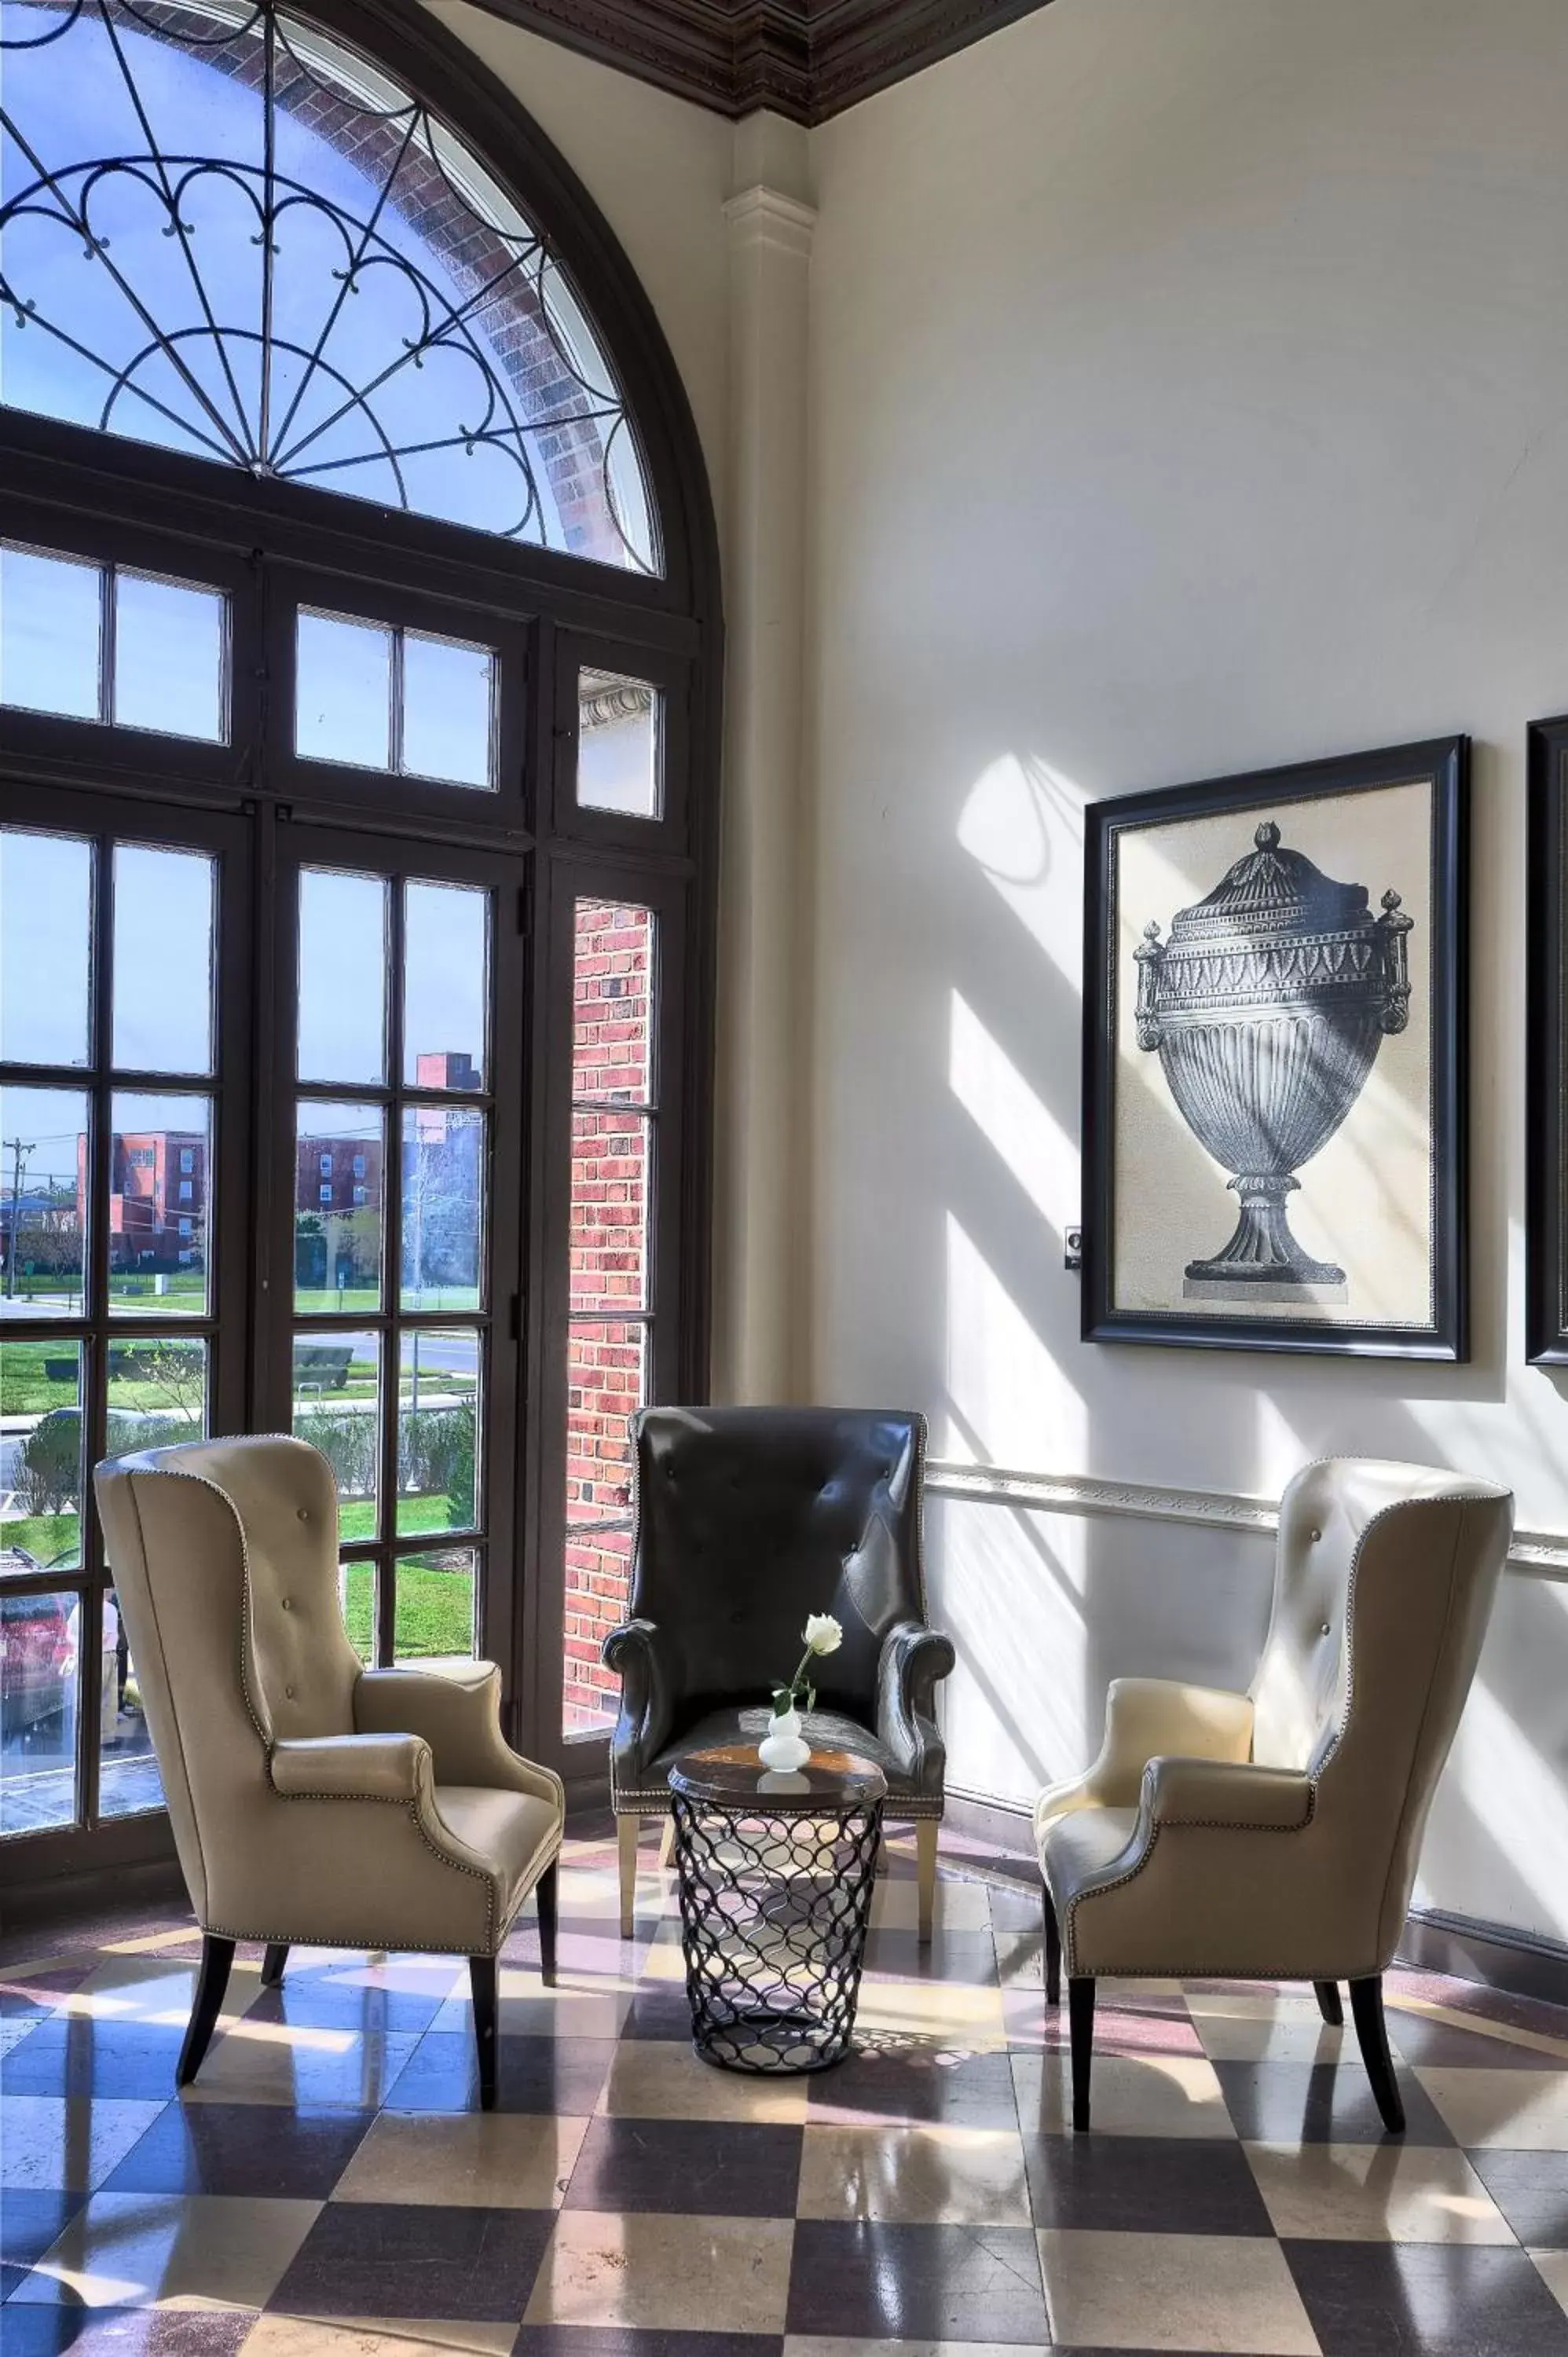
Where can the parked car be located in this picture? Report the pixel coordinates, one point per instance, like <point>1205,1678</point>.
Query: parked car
<point>37,1667</point>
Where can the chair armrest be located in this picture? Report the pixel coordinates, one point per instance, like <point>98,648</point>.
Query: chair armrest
<point>352,1768</point>
<point>635,1651</point>
<point>459,1716</point>
<point>1144,1719</point>
<point>913,1658</point>
<point>1220,1793</point>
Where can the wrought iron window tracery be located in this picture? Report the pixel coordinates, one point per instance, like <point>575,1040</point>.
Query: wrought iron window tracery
<point>222,230</point>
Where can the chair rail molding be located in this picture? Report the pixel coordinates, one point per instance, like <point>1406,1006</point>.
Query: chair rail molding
<point>1540,1554</point>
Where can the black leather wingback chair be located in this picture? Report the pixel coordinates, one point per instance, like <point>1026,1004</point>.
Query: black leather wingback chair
<point>747,1519</point>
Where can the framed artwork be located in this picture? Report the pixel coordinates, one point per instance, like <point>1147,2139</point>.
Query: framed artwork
<point>1274,1072</point>
<point>1546,1052</point>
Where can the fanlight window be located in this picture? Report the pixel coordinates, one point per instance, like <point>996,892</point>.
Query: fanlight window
<point>223,232</point>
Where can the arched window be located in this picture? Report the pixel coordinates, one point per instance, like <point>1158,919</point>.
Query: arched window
<point>358,723</point>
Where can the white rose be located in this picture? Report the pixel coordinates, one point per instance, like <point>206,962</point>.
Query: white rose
<point>822,1633</point>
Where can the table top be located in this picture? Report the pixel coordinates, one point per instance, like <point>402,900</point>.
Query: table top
<point>732,1775</point>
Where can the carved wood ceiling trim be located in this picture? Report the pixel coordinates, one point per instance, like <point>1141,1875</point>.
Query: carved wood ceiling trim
<point>807,60</point>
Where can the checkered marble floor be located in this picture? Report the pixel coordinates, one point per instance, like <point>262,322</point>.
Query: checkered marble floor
<point>329,2187</point>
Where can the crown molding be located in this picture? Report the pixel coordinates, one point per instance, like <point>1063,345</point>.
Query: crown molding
<point>806,59</point>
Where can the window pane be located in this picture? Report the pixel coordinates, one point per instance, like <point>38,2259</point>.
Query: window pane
<point>342,709</point>
<point>443,1206</point>
<point>613,1002</point>
<point>448,710</point>
<point>438,1429</point>
<point>606,1386</point>
<point>434,1613</point>
<point>611,1158</point>
<point>52,620</point>
<point>618,732</point>
<point>357,1602</point>
<point>128,1779</point>
<point>163,960</point>
<point>38,1647</point>
<point>445,953</point>
<point>337,1407</point>
<point>159,1192</point>
<point>342,977</point>
<point>338,1207</point>
<point>157,1393</point>
<point>169,648</point>
<point>598,1582</point>
<point>45,948</point>
<point>43,1201</point>
<point>40,1455</point>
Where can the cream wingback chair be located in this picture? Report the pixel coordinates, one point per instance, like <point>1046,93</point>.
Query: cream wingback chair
<point>312,1799</point>
<point>1274,1835</point>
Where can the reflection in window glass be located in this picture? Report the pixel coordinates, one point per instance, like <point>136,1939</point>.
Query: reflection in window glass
<point>42,1441</point>
<point>438,1429</point>
<point>45,948</point>
<point>357,1602</point>
<point>342,707</point>
<point>159,1204</point>
<point>337,1407</point>
<point>434,1609</point>
<point>51,625</point>
<point>618,732</point>
<point>163,960</point>
<point>128,1779</point>
<point>613,995</point>
<point>443,1206</point>
<point>169,657</point>
<point>446,932</point>
<point>44,1191</point>
<point>342,977</point>
<point>39,1649</point>
<point>338,1207</point>
<point>448,711</point>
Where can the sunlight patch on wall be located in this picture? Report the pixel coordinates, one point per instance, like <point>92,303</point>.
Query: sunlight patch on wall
<point>1010,1403</point>
<point>1014,1712</point>
<point>1010,1114</point>
<point>1023,825</point>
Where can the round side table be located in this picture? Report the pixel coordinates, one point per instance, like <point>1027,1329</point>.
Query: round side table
<point>776,1875</point>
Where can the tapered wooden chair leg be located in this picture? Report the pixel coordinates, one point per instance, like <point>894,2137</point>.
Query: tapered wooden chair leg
<point>545,1893</point>
<point>211,1980</point>
<point>666,1841</point>
<point>273,1963</point>
<point>1080,2020</point>
<point>482,1981</point>
<point>926,1875</point>
<point>626,1831</point>
<point>1328,2005</point>
<point>1366,2008</point>
<point>1053,1952</point>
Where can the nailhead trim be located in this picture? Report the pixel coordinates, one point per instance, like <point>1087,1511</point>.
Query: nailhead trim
<point>383,1939</point>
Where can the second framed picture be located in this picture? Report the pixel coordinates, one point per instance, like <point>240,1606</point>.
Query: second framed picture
<point>1274,1078</point>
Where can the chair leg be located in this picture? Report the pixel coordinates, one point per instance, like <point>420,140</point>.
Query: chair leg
<point>626,1831</point>
<point>273,1963</point>
<point>926,1875</point>
<point>482,1982</point>
<point>1052,1951</point>
<point>1328,2005</point>
<point>667,1840</point>
<point>211,1980</point>
<point>546,1892</point>
<point>1081,2017</point>
<point>1367,2007</point>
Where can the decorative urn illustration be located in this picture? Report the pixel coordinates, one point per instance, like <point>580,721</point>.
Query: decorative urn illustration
<point>1268,1005</point>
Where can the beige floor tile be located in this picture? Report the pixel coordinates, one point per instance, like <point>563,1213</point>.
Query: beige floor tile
<point>1524,2111</point>
<point>1263,2028</point>
<point>806,2344</point>
<point>1219,2292</point>
<point>374,2336</point>
<point>1375,2193</point>
<point>662,2079</point>
<point>292,2062</point>
<point>156,2250</point>
<point>579,2007</point>
<point>493,2161</point>
<point>665,2273</point>
<point>72,2141</point>
<point>953,2011</point>
<point>915,2176</point>
<point>154,1990</point>
<point>960,1906</point>
<point>1144,2096</point>
<point>1553,2268</point>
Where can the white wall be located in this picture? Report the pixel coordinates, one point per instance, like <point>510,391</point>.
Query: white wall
<point>1189,386</point>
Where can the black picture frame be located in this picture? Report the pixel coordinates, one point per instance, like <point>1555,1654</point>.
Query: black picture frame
<point>1443,765</point>
<point>1546,1041</point>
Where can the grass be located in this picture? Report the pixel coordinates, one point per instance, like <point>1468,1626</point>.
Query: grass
<point>45,1536</point>
<point>28,1389</point>
<point>434,1609</point>
<point>416,1517</point>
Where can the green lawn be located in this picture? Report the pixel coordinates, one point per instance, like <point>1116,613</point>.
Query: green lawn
<point>415,1516</point>
<point>26,1388</point>
<point>45,1537</point>
<point>434,1611</point>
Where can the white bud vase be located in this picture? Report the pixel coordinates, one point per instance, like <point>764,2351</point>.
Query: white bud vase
<point>782,1747</point>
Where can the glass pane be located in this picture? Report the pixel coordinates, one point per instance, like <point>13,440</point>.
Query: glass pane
<point>435,1607</point>
<point>338,1207</point>
<point>163,960</point>
<point>613,1001</point>
<point>438,1429</point>
<point>40,1455</point>
<point>169,648</point>
<point>38,1642</point>
<point>43,1201</point>
<point>342,977</point>
<point>45,948</point>
<point>357,1602</point>
<point>337,1407</point>
<point>443,1206</point>
<point>599,1583</point>
<point>611,1159</point>
<point>128,1779</point>
<point>619,731</point>
<point>448,710</point>
<point>606,1386</point>
<point>159,1204</point>
<point>51,623</point>
<point>157,1393</point>
<point>445,953</point>
<point>342,692</point>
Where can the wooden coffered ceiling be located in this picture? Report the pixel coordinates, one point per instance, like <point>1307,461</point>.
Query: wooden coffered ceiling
<point>805,59</point>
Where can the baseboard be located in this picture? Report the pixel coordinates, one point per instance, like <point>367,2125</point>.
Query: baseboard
<point>1001,1823</point>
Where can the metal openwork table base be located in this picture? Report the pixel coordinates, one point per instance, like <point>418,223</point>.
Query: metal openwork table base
<point>776,1875</point>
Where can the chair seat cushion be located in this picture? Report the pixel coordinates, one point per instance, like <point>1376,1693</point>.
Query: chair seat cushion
<point>1084,1848</point>
<point>825,1730</point>
<point>513,1834</point>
